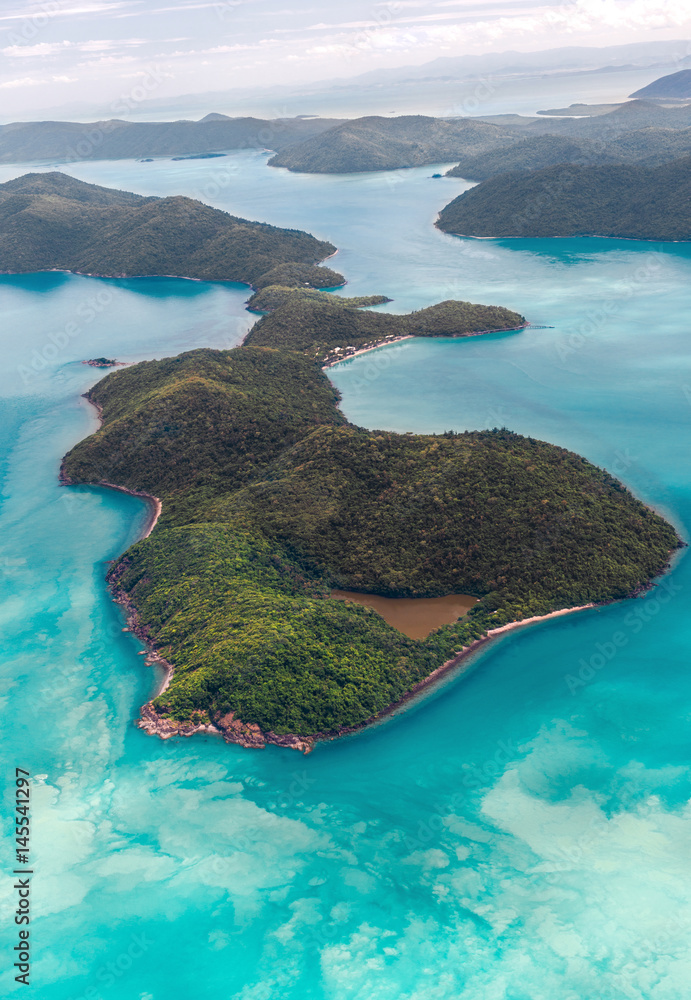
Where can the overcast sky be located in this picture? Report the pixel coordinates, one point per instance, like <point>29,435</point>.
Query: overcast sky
<point>59,51</point>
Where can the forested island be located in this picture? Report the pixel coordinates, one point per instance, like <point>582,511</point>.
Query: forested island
<point>270,499</point>
<point>53,222</point>
<point>632,202</point>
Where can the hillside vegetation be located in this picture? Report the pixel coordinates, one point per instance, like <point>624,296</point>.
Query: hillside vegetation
<point>530,154</point>
<point>647,146</point>
<point>328,328</point>
<point>270,499</point>
<point>52,221</point>
<point>623,201</point>
<point>30,142</point>
<point>389,143</point>
<point>272,297</point>
<point>674,85</point>
<point>300,276</point>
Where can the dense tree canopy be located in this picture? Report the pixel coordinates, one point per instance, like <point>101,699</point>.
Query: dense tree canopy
<point>52,221</point>
<point>270,498</point>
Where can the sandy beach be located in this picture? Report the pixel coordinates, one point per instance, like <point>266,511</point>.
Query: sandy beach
<point>412,336</point>
<point>366,350</point>
<point>155,505</point>
<point>491,634</point>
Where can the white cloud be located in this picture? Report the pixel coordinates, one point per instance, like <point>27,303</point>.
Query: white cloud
<point>25,81</point>
<point>40,13</point>
<point>43,49</point>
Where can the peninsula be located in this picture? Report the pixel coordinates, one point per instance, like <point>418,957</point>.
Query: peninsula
<point>329,328</point>
<point>631,202</point>
<point>115,139</point>
<point>271,500</point>
<point>51,221</point>
<point>674,86</point>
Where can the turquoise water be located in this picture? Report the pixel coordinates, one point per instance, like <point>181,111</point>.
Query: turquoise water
<point>520,835</point>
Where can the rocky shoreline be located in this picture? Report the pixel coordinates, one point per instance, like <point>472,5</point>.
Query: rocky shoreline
<point>253,737</point>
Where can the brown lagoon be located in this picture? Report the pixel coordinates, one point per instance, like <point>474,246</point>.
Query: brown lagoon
<point>414,616</point>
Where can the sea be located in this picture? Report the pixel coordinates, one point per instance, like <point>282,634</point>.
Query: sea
<point>520,833</point>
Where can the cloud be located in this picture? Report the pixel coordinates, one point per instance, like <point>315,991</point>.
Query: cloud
<point>43,49</point>
<point>539,25</point>
<point>41,13</point>
<point>25,81</point>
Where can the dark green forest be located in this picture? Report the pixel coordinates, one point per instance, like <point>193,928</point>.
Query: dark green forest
<point>300,276</point>
<point>52,221</point>
<point>324,327</point>
<point>270,498</point>
<point>272,297</point>
<point>628,201</point>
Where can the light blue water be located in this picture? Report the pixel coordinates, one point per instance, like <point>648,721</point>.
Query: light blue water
<point>522,835</point>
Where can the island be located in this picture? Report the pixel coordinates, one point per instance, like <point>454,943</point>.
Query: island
<point>51,221</point>
<point>625,201</point>
<point>270,500</point>
<point>104,363</point>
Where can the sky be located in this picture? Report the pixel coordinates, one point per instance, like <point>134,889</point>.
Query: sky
<point>119,52</point>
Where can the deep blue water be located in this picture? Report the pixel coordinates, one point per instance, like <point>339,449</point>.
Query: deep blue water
<point>523,833</point>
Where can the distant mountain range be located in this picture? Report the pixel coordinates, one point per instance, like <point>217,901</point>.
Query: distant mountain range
<point>637,131</point>
<point>487,146</point>
<point>634,202</point>
<point>343,92</point>
<point>567,58</point>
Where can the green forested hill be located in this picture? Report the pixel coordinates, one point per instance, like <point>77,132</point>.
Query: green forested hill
<point>531,154</point>
<point>272,297</point>
<point>676,85</point>
<point>328,327</point>
<point>212,416</point>
<point>569,200</point>
<point>270,498</point>
<point>375,143</point>
<point>646,146</point>
<point>52,221</point>
<point>30,142</point>
<point>300,276</point>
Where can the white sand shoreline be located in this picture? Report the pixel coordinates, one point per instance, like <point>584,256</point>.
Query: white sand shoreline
<point>463,656</point>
